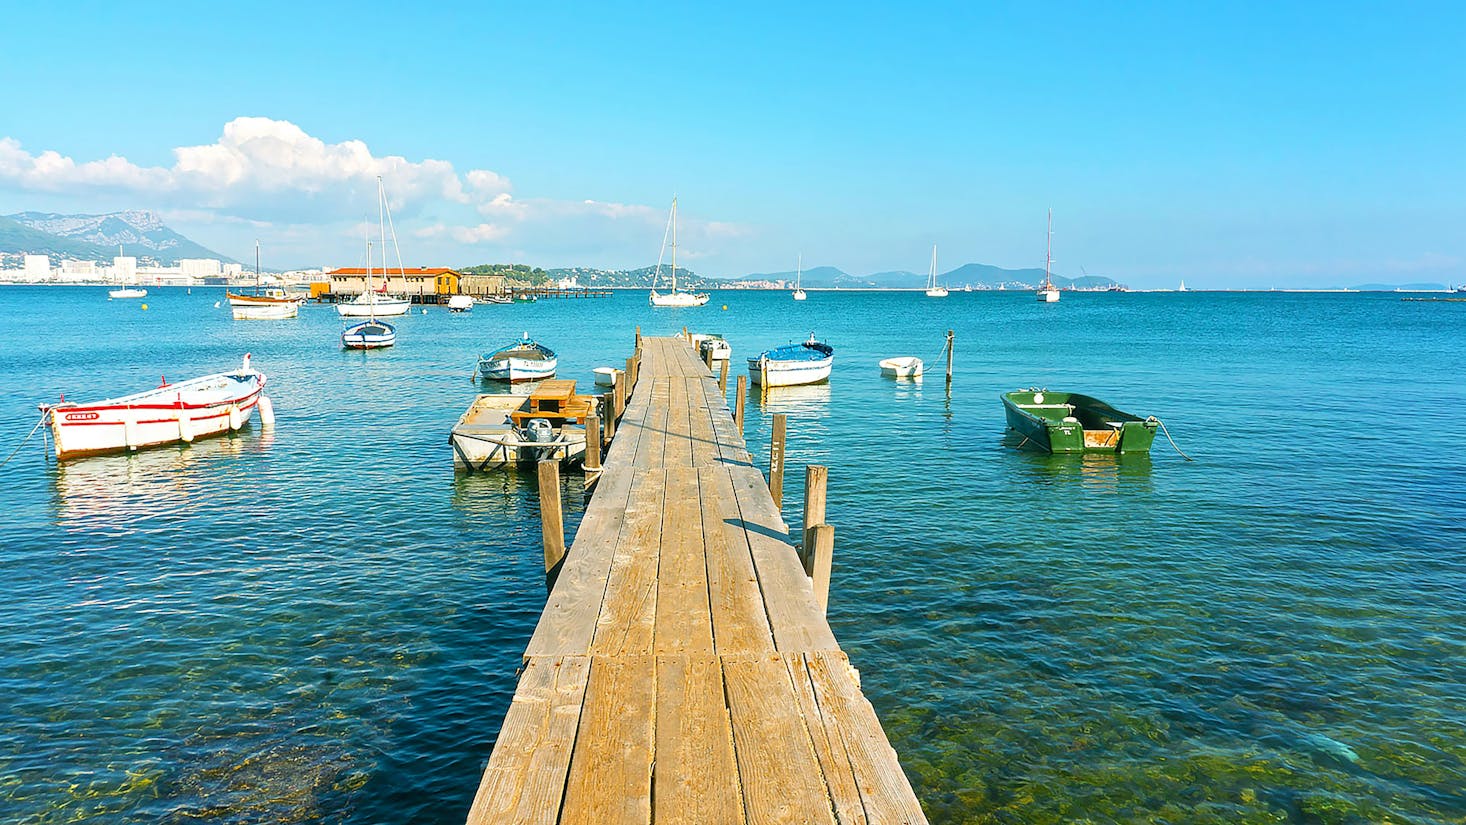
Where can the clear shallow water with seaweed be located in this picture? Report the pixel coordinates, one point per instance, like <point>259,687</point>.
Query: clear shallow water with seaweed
<point>321,623</point>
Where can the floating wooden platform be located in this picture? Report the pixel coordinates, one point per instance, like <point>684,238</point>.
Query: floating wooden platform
<point>682,670</point>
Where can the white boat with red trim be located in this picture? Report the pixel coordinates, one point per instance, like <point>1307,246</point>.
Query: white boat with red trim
<point>168,414</point>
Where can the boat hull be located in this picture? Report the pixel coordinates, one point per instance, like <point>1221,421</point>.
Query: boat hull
<point>1059,422</point>
<point>515,370</point>
<point>792,365</point>
<point>907,367</point>
<point>460,303</point>
<point>251,308</point>
<point>369,335</point>
<point>127,293</point>
<point>202,407</point>
<point>380,308</point>
<point>1048,296</point>
<point>485,436</point>
<point>678,299</point>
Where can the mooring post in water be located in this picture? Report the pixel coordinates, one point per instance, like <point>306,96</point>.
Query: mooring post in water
<point>592,461</point>
<point>723,377</point>
<point>822,557</point>
<point>815,477</point>
<point>608,408</point>
<point>742,394</point>
<point>552,525</point>
<point>949,356</point>
<point>776,460</point>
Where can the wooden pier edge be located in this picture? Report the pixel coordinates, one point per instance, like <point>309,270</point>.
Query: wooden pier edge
<point>682,670</point>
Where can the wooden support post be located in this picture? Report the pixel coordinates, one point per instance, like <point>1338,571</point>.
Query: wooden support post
<point>707,358</point>
<point>823,557</point>
<point>592,462</point>
<point>776,460</point>
<point>552,525</point>
<point>638,336</point>
<point>620,390</point>
<point>742,396</point>
<point>949,356</point>
<point>630,383</point>
<point>815,477</point>
<point>608,409</point>
<point>723,377</point>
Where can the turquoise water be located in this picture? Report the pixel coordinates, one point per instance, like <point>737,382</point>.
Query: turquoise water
<point>321,623</point>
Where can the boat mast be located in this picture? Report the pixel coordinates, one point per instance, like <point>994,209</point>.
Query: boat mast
<point>933,283</point>
<point>674,244</point>
<point>382,228</point>
<point>798,270</point>
<point>1049,251</point>
<point>257,266</point>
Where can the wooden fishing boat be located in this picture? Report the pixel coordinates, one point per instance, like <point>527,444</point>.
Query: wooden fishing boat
<point>792,364</point>
<point>265,304</point>
<point>506,430</point>
<point>906,366</point>
<point>523,360</point>
<point>171,413</point>
<point>1066,422</point>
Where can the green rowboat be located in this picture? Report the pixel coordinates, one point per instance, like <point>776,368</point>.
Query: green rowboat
<point>1066,422</point>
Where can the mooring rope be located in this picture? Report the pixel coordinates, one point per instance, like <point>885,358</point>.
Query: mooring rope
<point>25,441</point>
<point>1172,440</point>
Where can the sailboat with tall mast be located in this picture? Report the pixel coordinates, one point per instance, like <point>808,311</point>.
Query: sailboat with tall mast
<point>373,303</point>
<point>371,333</point>
<point>932,289</point>
<point>265,304</point>
<point>1048,293</point>
<point>673,298</point>
<point>798,276</point>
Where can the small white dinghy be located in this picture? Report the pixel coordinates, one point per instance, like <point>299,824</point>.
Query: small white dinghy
<point>171,413</point>
<point>460,303</point>
<point>606,376</point>
<point>905,366</point>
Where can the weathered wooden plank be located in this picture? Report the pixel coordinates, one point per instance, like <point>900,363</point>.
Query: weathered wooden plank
<point>568,622</point>
<point>684,621</point>
<point>847,715</point>
<point>678,449</point>
<point>740,621</point>
<point>829,748</point>
<point>610,777</point>
<point>701,402</point>
<point>651,446</point>
<point>794,616</point>
<point>696,774</point>
<point>525,779</point>
<point>627,619</point>
<point>781,777</point>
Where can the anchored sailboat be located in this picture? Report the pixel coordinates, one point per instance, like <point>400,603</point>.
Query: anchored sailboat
<point>932,290</point>
<point>673,298</point>
<point>1048,293</point>
<point>371,333</point>
<point>798,276</point>
<point>265,304</point>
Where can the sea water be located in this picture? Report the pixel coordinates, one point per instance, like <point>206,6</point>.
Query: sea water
<point>321,622</point>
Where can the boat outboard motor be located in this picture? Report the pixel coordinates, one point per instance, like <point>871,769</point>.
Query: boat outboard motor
<point>539,431</point>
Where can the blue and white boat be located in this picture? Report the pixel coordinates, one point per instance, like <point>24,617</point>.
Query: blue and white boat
<point>523,360</point>
<point>371,334</point>
<point>793,364</point>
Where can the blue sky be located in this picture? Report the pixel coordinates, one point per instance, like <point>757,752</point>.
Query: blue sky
<point>1233,145</point>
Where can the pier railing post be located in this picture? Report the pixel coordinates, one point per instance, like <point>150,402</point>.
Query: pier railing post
<point>776,460</point>
<point>742,396</point>
<point>592,462</point>
<point>815,478</point>
<point>620,390</point>
<point>638,336</point>
<point>608,409</point>
<point>822,558</point>
<point>950,338</point>
<point>630,384</point>
<point>552,524</point>
<point>723,377</point>
<point>707,358</point>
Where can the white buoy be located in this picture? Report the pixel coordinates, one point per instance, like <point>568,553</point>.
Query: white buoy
<point>425,310</point>
<point>185,424</point>
<point>236,417</point>
<point>267,412</point>
<point>216,305</point>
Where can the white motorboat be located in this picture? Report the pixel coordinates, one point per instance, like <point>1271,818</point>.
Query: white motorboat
<point>902,367</point>
<point>673,298</point>
<point>933,290</point>
<point>127,292</point>
<point>264,304</point>
<point>523,360</point>
<point>606,376</point>
<point>505,430</point>
<point>460,303</point>
<point>168,414</point>
<point>1048,293</point>
<point>792,364</point>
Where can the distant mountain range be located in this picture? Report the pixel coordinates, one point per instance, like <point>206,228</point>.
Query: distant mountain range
<point>139,233</point>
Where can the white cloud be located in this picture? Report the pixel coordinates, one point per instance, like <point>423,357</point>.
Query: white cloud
<point>471,235</point>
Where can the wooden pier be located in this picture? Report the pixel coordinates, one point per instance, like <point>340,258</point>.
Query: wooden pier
<point>683,670</point>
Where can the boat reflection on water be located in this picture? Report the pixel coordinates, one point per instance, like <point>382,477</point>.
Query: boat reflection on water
<point>507,501</point>
<point>1096,472</point>
<point>120,489</point>
<point>800,400</point>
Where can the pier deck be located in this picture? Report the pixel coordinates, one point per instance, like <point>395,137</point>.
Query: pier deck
<point>682,670</point>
